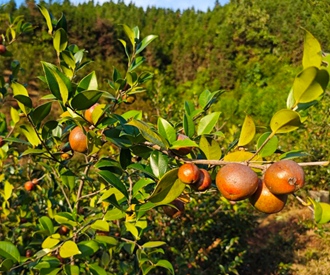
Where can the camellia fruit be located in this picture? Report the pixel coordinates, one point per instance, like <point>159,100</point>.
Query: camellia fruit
<point>174,211</point>
<point>267,202</point>
<point>63,230</point>
<point>182,151</point>
<point>284,177</point>
<point>236,181</point>
<point>29,186</point>
<point>2,49</point>
<point>204,181</point>
<point>129,99</point>
<point>78,140</point>
<point>88,113</point>
<point>189,173</point>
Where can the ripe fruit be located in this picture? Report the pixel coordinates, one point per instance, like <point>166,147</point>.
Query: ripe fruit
<point>182,151</point>
<point>176,211</point>
<point>2,142</point>
<point>29,186</point>
<point>28,253</point>
<point>35,181</point>
<point>63,230</point>
<point>188,173</point>
<point>129,99</point>
<point>284,177</point>
<point>204,181</point>
<point>236,181</point>
<point>265,201</point>
<point>88,113</point>
<point>2,49</point>
<point>78,140</point>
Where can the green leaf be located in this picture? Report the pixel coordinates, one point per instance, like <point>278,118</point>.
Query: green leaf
<point>69,249</point>
<point>248,131</point>
<point>25,100</point>
<point>153,244</point>
<point>158,163</point>
<point>325,217</point>
<point>114,214</point>
<point>165,264</point>
<point>59,84</point>
<point>51,241</point>
<point>89,82</point>
<point>65,218</point>
<point>145,42</point>
<point>207,123</point>
<point>110,178</point>
<point>270,147</point>
<point>47,16</point>
<point>50,271</point>
<point>46,224</point>
<point>30,134</point>
<point>183,143</point>
<point>6,265</point>
<point>148,133</point>
<point>20,90</point>
<point>142,182</point>
<point>101,225</point>
<point>87,248</point>
<point>9,251</point>
<point>188,125</point>
<point>310,84</point>
<point>14,115</point>
<point>168,188</point>
<point>85,99</point>
<point>294,154</point>
<point>71,269</point>
<point>8,190</point>
<point>47,262</point>
<point>106,239</point>
<point>285,121</point>
<point>95,269</point>
<point>69,59</point>
<point>130,227</point>
<point>212,151</point>
<point>60,40</point>
<point>166,130</point>
<point>130,34</point>
<point>41,112</point>
<point>312,51</point>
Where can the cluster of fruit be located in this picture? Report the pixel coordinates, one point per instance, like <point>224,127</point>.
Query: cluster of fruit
<point>237,181</point>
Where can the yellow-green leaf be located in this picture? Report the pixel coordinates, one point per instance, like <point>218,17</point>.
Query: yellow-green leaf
<point>312,51</point>
<point>8,190</point>
<point>285,121</point>
<point>60,40</point>
<point>51,241</point>
<point>248,131</point>
<point>101,225</point>
<point>130,227</point>
<point>240,156</point>
<point>211,150</point>
<point>19,89</point>
<point>69,249</point>
<point>14,115</point>
<point>47,16</point>
<point>30,134</point>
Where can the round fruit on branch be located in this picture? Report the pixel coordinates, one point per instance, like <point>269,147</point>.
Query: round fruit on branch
<point>2,49</point>
<point>29,186</point>
<point>182,151</point>
<point>89,112</point>
<point>78,140</point>
<point>284,177</point>
<point>204,181</point>
<point>236,181</point>
<point>265,201</point>
<point>174,211</point>
<point>189,173</point>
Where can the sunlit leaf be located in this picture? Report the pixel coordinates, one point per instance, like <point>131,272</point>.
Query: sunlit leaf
<point>158,163</point>
<point>60,40</point>
<point>51,241</point>
<point>248,131</point>
<point>207,123</point>
<point>166,130</point>
<point>285,121</point>
<point>47,16</point>
<point>9,251</point>
<point>19,89</point>
<point>270,146</point>
<point>30,134</point>
<point>312,51</point>
<point>153,244</point>
<point>145,42</point>
<point>69,249</point>
<point>85,99</point>
<point>210,148</point>
<point>89,82</point>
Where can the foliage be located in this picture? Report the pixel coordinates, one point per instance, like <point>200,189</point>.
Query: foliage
<point>106,197</point>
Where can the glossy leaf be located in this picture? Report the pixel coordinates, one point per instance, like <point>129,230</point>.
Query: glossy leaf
<point>30,134</point>
<point>51,241</point>
<point>294,154</point>
<point>148,133</point>
<point>101,225</point>
<point>165,264</point>
<point>166,130</point>
<point>69,249</point>
<point>142,182</point>
<point>14,115</point>
<point>212,151</point>
<point>41,112</point>
<point>285,121</point>
<point>114,214</point>
<point>240,156</point>
<point>9,251</point>
<point>87,248</point>
<point>95,269</point>
<point>168,188</point>
<point>71,269</point>
<point>60,40</point>
<point>47,16</point>
<point>183,143</point>
<point>106,239</point>
<point>145,42</point>
<point>325,217</point>
<point>46,224</point>
<point>6,265</point>
<point>110,178</point>
<point>312,51</point>
<point>270,147</point>
<point>248,131</point>
<point>85,99</point>
<point>130,34</point>
<point>89,82</point>
<point>65,218</point>
<point>207,123</point>
<point>20,90</point>
<point>130,227</point>
<point>153,244</point>
<point>188,125</point>
<point>158,163</point>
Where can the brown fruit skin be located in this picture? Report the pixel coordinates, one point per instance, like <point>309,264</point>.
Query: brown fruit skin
<point>284,177</point>
<point>265,201</point>
<point>78,140</point>
<point>204,181</point>
<point>173,212</point>
<point>236,181</point>
<point>182,151</point>
<point>63,230</point>
<point>189,173</point>
<point>2,142</point>
<point>29,186</point>
<point>28,253</point>
<point>35,181</point>
<point>2,49</point>
<point>129,99</point>
<point>88,113</point>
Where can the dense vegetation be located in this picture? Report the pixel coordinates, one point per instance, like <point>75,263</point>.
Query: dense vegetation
<point>250,50</point>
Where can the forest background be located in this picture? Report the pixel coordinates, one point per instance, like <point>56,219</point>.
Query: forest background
<point>251,50</point>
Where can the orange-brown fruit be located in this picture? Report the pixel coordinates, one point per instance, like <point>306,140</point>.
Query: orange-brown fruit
<point>267,202</point>
<point>2,49</point>
<point>63,230</point>
<point>189,173</point>
<point>65,156</point>
<point>29,186</point>
<point>35,181</point>
<point>284,177</point>
<point>129,99</point>
<point>182,151</point>
<point>236,181</point>
<point>78,140</point>
<point>2,142</point>
<point>204,181</point>
<point>28,253</point>
<point>88,113</point>
<point>176,211</point>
